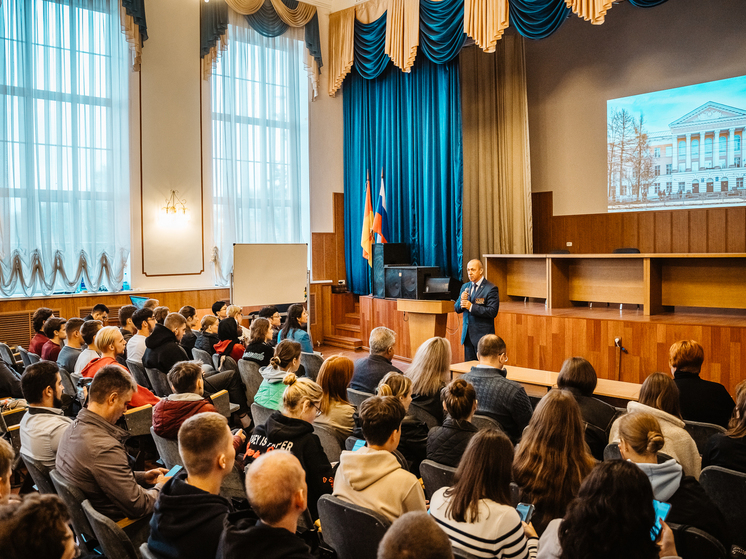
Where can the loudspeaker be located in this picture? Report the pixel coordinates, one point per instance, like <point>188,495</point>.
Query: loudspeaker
<point>408,282</point>
<point>442,289</point>
<point>383,254</point>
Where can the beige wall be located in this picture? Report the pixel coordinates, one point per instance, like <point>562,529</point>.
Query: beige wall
<point>571,75</point>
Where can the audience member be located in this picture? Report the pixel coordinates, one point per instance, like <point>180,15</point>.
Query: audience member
<point>728,450</point>
<point>553,457</point>
<point>294,328</point>
<point>336,411</point>
<point>236,313</point>
<point>38,319</point>
<point>446,444</point>
<point>660,398</point>
<point>503,400</point>
<point>476,513</point>
<point>44,423</point>
<point>38,527</point>
<point>54,329</point>
<point>72,349</point>
<point>292,429</point>
<point>190,336</point>
<point>415,535</point>
<point>160,314</point>
<point>230,345</point>
<point>701,400</point>
<point>99,312</point>
<point>285,360</point>
<point>126,324</point>
<point>162,349</point>
<point>372,477</point>
<point>188,517</point>
<point>578,377</point>
<point>151,304</point>
<point>612,518</point>
<point>110,343</point>
<point>640,440</point>
<point>370,370</point>
<point>430,370</point>
<point>188,399</point>
<point>260,349</point>
<point>207,337</point>
<point>88,331</point>
<point>275,320</point>
<point>277,491</point>
<point>92,455</point>
<point>10,384</point>
<point>144,322</point>
<point>7,457</point>
<point>219,309</point>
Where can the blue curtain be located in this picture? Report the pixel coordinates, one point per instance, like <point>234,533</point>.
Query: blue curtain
<point>136,9</point>
<point>537,19</point>
<point>646,3</point>
<point>409,126</point>
<point>441,29</point>
<point>214,22</point>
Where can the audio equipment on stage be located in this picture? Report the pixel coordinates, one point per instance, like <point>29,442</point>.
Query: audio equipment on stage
<point>384,254</point>
<point>408,282</point>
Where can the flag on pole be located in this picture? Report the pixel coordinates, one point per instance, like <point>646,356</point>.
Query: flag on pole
<point>381,219</point>
<point>366,240</point>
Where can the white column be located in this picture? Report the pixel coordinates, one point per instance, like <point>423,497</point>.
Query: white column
<point>702,150</point>
<point>688,151</point>
<point>731,145</point>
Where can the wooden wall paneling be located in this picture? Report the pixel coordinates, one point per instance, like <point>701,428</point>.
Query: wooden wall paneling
<point>339,230</point>
<point>646,224</point>
<point>716,227</point>
<point>316,323</point>
<point>735,232</point>
<point>559,235</point>
<point>630,230</point>
<point>698,231</point>
<point>542,210</point>
<point>327,249</point>
<point>663,231</point>
<point>680,231</point>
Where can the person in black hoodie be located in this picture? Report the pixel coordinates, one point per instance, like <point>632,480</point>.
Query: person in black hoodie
<point>447,444</point>
<point>188,518</point>
<point>190,336</point>
<point>277,491</point>
<point>207,338</point>
<point>292,429</point>
<point>162,346</point>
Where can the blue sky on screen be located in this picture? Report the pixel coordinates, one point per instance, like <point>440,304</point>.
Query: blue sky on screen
<point>661,108</point>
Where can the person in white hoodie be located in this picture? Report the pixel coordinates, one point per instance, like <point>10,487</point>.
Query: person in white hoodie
<point>372,477</point>
<point>641,439</point>
<point>660,398</point>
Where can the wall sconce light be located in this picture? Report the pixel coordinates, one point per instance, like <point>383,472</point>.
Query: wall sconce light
<point>175,209</point>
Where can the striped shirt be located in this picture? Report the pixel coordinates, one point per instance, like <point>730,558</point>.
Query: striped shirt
<point>497,533</point>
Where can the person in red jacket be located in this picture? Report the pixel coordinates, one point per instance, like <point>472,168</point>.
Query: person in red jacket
<point>186,379</point>
<point>38,319</point>
<point>110,343</point>
<point>54,329</point>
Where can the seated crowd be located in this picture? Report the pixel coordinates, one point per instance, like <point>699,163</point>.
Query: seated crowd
<point>554,454</point>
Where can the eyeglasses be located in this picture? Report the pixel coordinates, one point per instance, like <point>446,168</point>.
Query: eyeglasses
<point>318,409</point>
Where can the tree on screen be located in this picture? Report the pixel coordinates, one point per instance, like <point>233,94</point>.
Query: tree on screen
<point>641,159</point>
<point>620,147</point>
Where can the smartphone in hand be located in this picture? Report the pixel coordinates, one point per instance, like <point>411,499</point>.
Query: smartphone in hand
<point>661,512</point>
<point>525,511</point>
<point>173,471</point>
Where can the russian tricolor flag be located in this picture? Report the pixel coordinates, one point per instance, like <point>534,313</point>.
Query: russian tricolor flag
<point>381,219</point>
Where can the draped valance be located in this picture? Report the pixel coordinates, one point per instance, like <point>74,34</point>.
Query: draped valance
<point>374,32</point>
<point>134,27</point>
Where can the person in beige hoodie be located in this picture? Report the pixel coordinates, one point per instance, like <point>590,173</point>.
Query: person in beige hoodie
<point>372,477</point>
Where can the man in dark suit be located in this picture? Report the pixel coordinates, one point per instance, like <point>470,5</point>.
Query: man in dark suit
<point>479,300</point>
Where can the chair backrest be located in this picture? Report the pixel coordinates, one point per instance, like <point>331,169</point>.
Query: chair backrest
<point>39,473</point>
<point>216,361</point>
<point>202,355</point>
<point>139,374</point>
<point>692,543</point>
<point>24,356</point>
<point>138,420</point>
<point>515,494</point>
<point>15,438</point>
<point>486,422</point>
<point>435,476</point>
<point>352,531</point>
<point>113,541</point>
<point>596,439</point>
<point>350,442</point>
<point>727,489</point>
<point>330,440</point>
<point>73,497</point>
<point>68,387</point>
<point>227,363</point>
<point>612,452</point>
<point>14,416</point>
<point>159,382</point>
<point>701,433</point>
<point>33,358</point>
<point>357,397</point>
<point>221,401</point>
<point>459,553</point>
<point>251,377</point>
<point>6,354</point>
<point>260,414</point>
<point>423,415</point>
<point>168,449</point>
<point>146,553</point>
<point>312,363</point>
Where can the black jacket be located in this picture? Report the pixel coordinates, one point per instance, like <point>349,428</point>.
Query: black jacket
<point>10,383</point>
<point>187,522</point>
<point>369,371</point>
<point>726,452</point>
<point>431,404</point>
<point>206,342</point>
<point>690,506</point>
<point>297,436</point>
<point>446,444</point>
<point>162,350</point>
<point>598,417</point>
<point>243,536</point>
<point>188,341</point>
<point>703,400</point>
<point>259,353</point>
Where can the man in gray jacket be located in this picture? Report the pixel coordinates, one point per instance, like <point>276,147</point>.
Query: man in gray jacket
<point>92,455</point>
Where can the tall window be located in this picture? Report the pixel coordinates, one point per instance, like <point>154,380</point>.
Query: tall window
<point>682,148</point>
<point>708,147</point>
<point>695,148</point>
<point>260,142</point>
<point>64,139</point>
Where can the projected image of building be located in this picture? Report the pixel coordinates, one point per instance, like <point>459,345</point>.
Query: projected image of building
<point>697,161</point>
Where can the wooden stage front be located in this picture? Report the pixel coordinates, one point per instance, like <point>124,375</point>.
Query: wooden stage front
<point>541,338</point>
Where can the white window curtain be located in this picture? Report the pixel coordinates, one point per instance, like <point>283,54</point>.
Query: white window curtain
<point>260,142</point>
<point>64,153</point>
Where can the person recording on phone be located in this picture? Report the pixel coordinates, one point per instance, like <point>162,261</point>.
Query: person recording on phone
<point>479,301</point>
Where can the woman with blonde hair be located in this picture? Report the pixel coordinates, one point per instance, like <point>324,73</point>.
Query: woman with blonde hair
<point>728,450</point>
<point>292,429</point>
<point>553,457</point>
<point>336,411</point>
<point>285,360</point>
<point>660,398</point>
<point>430,371</point>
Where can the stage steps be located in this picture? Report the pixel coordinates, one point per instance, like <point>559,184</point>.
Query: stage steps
<point>344,342</point>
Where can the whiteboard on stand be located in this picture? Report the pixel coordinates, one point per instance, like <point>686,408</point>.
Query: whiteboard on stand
<point>269,274</point>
